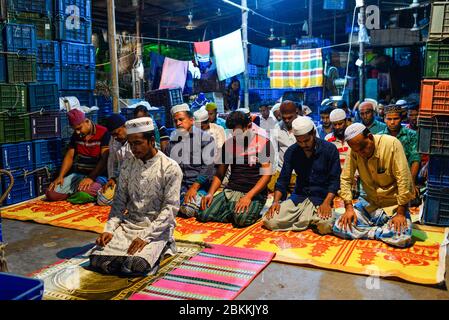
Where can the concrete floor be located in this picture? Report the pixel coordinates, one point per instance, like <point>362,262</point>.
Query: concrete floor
<point>32,246</point>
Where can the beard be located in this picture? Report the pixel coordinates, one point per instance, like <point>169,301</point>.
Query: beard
<point>340,134</point>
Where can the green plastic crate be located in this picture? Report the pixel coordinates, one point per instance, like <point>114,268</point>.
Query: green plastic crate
<point>21,69</point>
<point>14,129</point>
<point>13,98</point>
<point>439,21</point>
<point>437,61</point>
<point>44,26</point>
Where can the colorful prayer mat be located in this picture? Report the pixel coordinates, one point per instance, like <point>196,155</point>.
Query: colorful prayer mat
<point>423,263</point>
<point>217,273</point>
<point>296,69</point>
<point>71,280</point>
<point>87,217</point>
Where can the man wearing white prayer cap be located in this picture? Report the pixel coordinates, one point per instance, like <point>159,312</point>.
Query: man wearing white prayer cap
<point>276,111</point>
<point>202,121</point>
<point>316,165</point>
<point>255,128</point>
<point>367,115</point>
<point>339,122</point>
<point>134,243</point>
<point>195,151</point>
<point>382,212</point>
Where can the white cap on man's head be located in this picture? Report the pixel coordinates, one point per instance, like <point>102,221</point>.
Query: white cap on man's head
<point>244,110</point>
<point>302,126</point>
<point>180,108</point>
<point>201,115</point>
<point>139,125</point>
<point>354,130</point>
<point>276,107</point>
<point>337,115</point>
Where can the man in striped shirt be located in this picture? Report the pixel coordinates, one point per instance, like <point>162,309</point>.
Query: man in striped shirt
<point>86,161</point>
<point>337,136</point>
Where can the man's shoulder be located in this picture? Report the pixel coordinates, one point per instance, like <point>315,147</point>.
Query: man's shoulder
<point>100,130</point>
<point>330,137</point>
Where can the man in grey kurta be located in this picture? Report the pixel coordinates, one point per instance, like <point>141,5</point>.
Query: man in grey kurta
<point>139,231</point>
<point>194,150</point>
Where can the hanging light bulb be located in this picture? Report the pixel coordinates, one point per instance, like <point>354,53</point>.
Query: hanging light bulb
<point>414,4</point>
<point>190,26</point>
<point>415,25</point>
<point>271,37</point>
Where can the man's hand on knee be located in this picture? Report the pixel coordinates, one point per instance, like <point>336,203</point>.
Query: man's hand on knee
<point>104,239</point>
<point>58,182</point>
<point>274,209</point>
<point>348,219</point>
<point>136,246</point>
<point>325,210</point>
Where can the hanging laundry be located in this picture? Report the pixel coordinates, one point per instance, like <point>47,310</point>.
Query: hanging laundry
<point>209,81</point>
<point>259,56</point>
<point>228,52</point>
<point>156,64</point>
<point>296,69</point>
<point>202,55</point>
<point>195,71</point>
<point>174,74</point>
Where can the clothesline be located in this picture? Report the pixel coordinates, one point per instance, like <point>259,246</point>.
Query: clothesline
<point>192,42</point>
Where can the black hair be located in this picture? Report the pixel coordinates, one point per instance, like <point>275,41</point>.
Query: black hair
<point>326,109</point>
<point>341,104</point>
<point>237,118</point>
<point>366,133</point>
<point>148,135</point>
<point>141,108</point>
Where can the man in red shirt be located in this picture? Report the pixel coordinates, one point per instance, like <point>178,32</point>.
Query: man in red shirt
<point>85,160</point>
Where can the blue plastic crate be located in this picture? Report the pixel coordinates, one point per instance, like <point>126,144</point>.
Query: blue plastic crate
<point>159,116</point>
<point>438,174</point>
<point>128,113</point>
<point>436,206</point>
<point>45,125</point>
<point>43,96</point>
<point>81,8</point>
<point>85,97</point>
<point>45,175</point>
<point>37,6</point>
<point>23,189</point>
<point>105,106</point>
<point>17,156</point>
<point>2,68</point>
<point>77,54</point>
<point>93,116</point>
<point>67,30</point>
<point>48,52</point>
<point>49,73</point>
<point>77,78</point>
<point>20,38</point>
<point>66,130</point>
<point>47,152</point>
<point>15,287</point>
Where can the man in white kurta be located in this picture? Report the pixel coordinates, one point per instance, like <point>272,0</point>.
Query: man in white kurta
<point>119,151</point>
<point>139,231</point>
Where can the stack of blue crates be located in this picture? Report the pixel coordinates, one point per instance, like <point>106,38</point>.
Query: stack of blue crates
<point>51,65</point>
<point>104,105</point>
<point>18,159</point>
<point>434,141</point>
<point>77,54</point>
<point>48,62</point>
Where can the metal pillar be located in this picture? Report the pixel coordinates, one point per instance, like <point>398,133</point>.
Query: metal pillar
<point>245,50</point>
<point>139,91</point>
<point>113,55</point>
<point>362,20</point>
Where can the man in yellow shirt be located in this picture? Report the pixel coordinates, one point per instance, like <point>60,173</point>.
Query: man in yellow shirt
<point>383,168</point>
